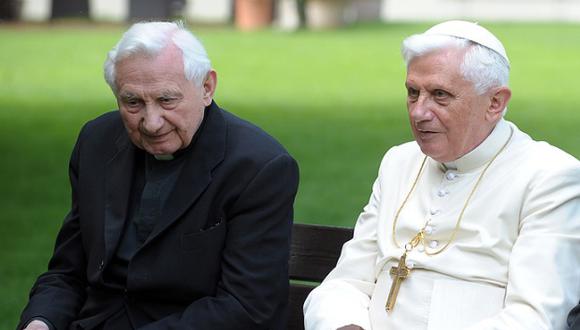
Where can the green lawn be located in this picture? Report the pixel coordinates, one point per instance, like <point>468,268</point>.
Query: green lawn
<point>335,99</point>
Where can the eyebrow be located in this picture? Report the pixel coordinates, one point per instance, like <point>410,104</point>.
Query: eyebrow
<point>166,93</point>
<point>127,95</point>
<point>170,93</point>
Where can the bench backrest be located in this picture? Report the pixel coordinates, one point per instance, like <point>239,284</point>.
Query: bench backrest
<point>313,254</point>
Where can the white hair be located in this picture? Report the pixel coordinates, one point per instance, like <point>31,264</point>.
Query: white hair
<point>482,66</point>
<point>150,38</point>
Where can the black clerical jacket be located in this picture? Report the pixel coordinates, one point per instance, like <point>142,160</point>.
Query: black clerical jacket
<point>216,259</point>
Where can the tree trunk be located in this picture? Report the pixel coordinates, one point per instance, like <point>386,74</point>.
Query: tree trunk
<point>70,8</point>
<point>9,10</point>
<point>155,9</point>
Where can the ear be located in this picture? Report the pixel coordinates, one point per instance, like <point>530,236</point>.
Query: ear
<point>499,100</point>
<point>209,86</point>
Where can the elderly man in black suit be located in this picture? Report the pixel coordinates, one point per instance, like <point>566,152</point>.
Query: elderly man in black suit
<point>181,212</point>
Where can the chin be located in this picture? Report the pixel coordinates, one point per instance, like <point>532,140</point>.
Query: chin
<point>161,151</point>
<point>432,153</point>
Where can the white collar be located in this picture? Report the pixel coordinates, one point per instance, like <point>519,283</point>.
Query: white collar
<point>484,151</point>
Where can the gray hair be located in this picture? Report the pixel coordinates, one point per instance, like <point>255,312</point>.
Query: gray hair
<point>150,38</point>
<point>482,66</point>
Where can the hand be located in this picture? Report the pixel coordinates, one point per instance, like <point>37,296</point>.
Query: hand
<point>350,327</point>
<point>36,325</point>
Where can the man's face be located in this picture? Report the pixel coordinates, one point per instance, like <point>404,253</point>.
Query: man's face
<point>448,118</point>
<point>160,108</point>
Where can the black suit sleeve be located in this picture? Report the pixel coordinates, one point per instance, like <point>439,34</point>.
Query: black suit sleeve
<point>574,318</point>
<point>58,294</point>
<point>254,279</point>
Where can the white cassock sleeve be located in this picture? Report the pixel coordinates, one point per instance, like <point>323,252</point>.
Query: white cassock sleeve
<point>544,267</point>
<point>343,298</point>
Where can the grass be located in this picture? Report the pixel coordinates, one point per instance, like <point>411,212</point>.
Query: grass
<point>335,99</point>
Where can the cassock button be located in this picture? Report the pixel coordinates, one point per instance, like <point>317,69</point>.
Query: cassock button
<point>433,244</point>
<point>434,211</point>
<point>102,265</point>
<point>450,176</point>
<point>442,193</point>
<point>428,230</point>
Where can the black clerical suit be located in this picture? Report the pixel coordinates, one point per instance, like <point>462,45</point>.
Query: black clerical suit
<point>216,257</point>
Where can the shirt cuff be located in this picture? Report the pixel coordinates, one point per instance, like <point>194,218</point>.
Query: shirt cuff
<point>40,318</point>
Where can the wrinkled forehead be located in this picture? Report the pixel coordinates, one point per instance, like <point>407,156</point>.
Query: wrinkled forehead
<point>169,61</point>
<point>439,69</point>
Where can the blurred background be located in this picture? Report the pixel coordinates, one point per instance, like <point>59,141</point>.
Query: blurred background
<point>324,77</point>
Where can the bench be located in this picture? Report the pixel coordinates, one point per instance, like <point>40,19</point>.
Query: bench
<point>313,254</point>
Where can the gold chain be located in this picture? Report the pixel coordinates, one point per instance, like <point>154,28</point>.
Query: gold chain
<point>419,238</point>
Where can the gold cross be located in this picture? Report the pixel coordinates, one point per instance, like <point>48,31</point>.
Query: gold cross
<point>399,273</point>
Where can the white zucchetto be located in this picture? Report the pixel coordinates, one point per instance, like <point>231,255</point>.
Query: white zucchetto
<point>470,31</point>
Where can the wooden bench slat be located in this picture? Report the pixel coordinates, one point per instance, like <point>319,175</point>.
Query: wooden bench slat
<point>314,252</point>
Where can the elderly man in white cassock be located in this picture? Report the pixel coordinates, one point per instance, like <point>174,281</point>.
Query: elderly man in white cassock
<point>474,225</point>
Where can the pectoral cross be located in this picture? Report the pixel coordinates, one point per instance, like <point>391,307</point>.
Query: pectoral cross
<point>398,273</point>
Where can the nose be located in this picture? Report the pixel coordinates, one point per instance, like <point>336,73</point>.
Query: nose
<point>419,110</point>
<point>153,120</point>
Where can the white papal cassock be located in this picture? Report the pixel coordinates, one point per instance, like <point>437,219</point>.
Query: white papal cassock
<point>515,263</point>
